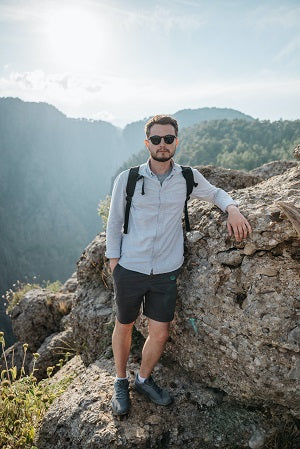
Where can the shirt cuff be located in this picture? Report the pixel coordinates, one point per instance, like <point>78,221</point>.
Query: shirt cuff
<point>113,254</point>
<point>234,203</point>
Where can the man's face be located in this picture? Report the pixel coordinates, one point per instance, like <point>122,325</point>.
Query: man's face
<point>162,152</point>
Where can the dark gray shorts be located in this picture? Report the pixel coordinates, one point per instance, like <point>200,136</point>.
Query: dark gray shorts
<point>157,293</point>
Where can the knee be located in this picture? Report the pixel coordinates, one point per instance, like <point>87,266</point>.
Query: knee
<point>123,329</point>
<point>160,336</point>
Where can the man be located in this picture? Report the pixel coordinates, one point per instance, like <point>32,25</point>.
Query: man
<point>146,261</point>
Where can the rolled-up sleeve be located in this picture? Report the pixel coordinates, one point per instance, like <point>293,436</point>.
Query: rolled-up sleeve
<point>208,192</point>
<point>116,217</point>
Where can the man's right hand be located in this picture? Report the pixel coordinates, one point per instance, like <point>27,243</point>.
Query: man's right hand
<point>113,263</point>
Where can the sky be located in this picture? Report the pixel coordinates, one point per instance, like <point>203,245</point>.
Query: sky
<point>124,60</point>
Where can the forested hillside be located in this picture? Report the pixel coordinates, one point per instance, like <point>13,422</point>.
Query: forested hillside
<point>238,144</point>
<point>52,173</point>
<point>134,132</point>
<point>54,170</point>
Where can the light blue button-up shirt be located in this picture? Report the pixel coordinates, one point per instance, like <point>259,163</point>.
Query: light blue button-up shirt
<point>154,243</point>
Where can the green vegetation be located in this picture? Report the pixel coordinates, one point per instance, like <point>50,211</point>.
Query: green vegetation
<point>16,293</point>
<point>237,144</point>
<point>24,401</point>
<point>103,210</point>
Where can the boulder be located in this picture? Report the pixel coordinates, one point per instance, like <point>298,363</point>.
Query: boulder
<point>53,349</point>
<point>236,324</point>
<point>200,417</point>
<point>70,285</point>
<point>273,168</point>
<point>227,178</point>
<point>92,313</point>
<point>38,315</point>
<point>237,302</point>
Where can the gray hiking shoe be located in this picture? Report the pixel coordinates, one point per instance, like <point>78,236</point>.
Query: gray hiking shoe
<point>150,389</point>
<point>120,399</point>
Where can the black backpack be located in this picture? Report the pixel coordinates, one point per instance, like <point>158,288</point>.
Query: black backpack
<point>134,176</point>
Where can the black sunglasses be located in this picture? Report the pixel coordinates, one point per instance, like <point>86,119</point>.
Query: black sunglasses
<point>157,139</point>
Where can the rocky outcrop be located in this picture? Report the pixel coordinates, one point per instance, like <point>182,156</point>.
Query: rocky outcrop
<point>296,152</point>
<point>273,168</point>
<point>55,349</point>
<point>92,312</point>
<point>238,302</point>
<point>233,353</point>
<point>41,320</point>
<point>199,418</point>
<point>38,315</point>
<point>229,179</point>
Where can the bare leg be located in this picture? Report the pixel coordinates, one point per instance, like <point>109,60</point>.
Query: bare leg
<point>121,343</point>
<point>154,346</point>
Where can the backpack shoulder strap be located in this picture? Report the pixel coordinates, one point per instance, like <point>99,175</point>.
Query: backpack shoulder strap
<point>187,173</point>
<point>133,176</point>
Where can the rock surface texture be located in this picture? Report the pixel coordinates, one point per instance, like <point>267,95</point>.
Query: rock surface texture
<point>238,302</point>
<point>38,315</point>
<point>229,179</point>
<point>233,352</point>
<point>273,168</point>
<point>41,319</point>
<point>92,312</point>
<point>199,418</point>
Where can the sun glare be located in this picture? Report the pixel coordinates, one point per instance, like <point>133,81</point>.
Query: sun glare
<point>74,37</point>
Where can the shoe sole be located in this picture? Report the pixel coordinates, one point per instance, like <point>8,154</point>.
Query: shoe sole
<point>116,413</point>
<point>120,414</point>
<point>136,387</point>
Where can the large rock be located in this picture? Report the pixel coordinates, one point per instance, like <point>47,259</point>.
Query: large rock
<point>227,178</point>
<point>92,311</point>
<point>236,325</point>
<point>54,348</point>
<point>38,315</point>
<point>199,418</point>
<point>70,285</point>
<point>273,168</point>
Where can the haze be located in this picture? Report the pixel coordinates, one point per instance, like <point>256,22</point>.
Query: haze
<point>124,60</point>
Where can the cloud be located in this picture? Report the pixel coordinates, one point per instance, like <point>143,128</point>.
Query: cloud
<point>121,100</point>
<point>38,81</point>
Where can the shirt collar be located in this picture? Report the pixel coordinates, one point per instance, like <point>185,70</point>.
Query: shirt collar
<point>146,170</point>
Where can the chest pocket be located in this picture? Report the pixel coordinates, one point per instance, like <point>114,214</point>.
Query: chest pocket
<point>173,196</point>
<point>146,195</point>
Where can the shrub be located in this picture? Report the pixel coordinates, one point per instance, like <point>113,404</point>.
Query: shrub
<point>23,402</point>
<point>103,210</point>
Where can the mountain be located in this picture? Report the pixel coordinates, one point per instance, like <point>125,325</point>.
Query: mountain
<point>53,172</point>
<point>237,144</point>
<point>134,132</point>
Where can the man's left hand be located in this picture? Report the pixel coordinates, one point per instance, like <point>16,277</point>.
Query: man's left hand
<point>237,224</point>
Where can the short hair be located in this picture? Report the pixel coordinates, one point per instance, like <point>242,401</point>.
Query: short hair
<point>161,120</point>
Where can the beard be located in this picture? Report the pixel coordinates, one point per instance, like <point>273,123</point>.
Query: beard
<point>162,158</point>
